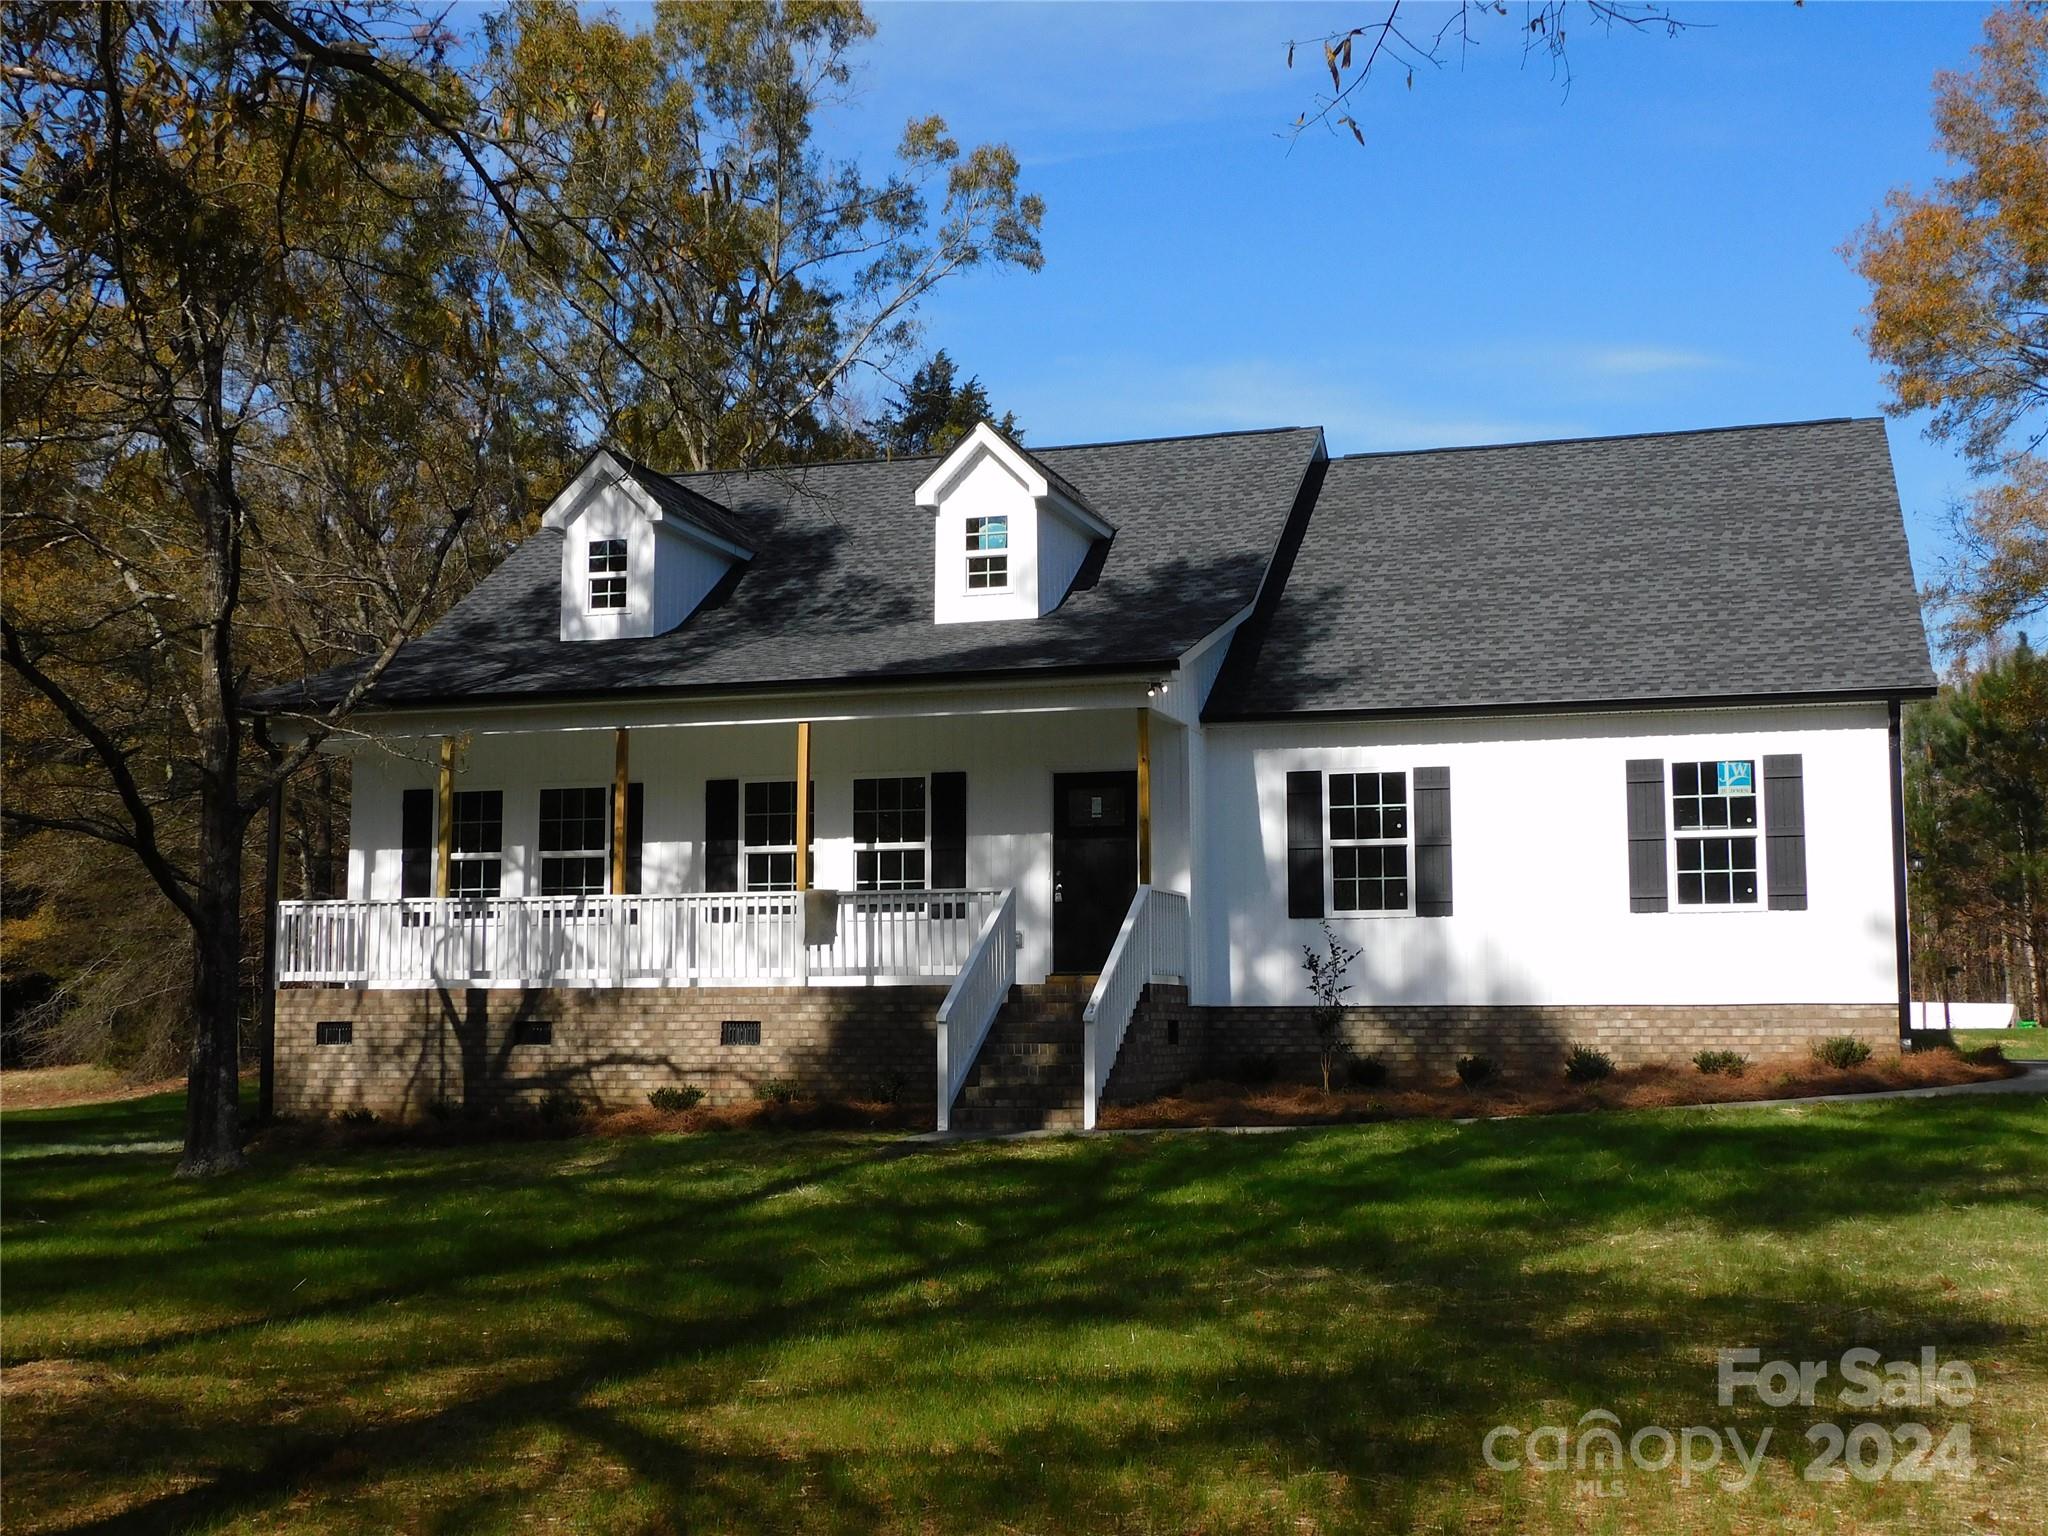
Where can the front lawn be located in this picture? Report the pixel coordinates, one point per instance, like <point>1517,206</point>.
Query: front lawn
<point>1283,1332</point>
<point>2018,1044</point>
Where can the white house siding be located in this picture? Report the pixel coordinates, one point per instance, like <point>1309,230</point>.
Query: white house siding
<point>1009,760</point>
<point>1540,865</point>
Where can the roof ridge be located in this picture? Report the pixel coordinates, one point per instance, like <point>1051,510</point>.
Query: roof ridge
<point>914,458</point>
<point>1611,437</point>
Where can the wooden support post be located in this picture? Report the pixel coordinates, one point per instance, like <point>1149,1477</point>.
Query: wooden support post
<point>266,1045</point>
<point>1144,796</point>
<point>803,805</point>
<point>444,821</point>
<point>619,791</point>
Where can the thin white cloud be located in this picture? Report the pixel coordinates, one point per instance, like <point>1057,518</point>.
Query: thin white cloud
<point>1639,362</point>
<point>1138,399</point>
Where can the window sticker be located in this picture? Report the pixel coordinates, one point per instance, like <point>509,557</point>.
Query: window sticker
<point>1736,778</point>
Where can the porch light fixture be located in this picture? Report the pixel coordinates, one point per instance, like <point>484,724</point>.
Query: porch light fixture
<point>1156,689</point>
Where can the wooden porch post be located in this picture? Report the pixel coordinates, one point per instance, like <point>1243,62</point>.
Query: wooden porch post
<point>1144,795</point>
<point>444,829</point>
<point>803,805</point>
<point>619,812</point>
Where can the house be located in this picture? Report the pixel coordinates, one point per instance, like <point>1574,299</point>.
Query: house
<point>1592,740</point>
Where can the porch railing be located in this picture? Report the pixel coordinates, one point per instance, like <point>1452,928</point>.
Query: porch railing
<point>976,997</point>
<point>714,939</point>
<point>1151,946</point>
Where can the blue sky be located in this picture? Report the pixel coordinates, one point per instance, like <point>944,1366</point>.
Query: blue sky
<point>1658,249</point>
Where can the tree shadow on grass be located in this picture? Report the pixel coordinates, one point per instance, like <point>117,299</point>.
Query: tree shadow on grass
<point>1364,1305</point>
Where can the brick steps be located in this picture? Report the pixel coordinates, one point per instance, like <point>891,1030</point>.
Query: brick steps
<point>1028,1076</point>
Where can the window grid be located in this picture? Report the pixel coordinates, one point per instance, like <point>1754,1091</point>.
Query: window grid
<point>607,574</point>
<point>988,559</point>
<point>1713,818</point>
<point>574,837</point>
<point>1368,842</point>
<point>476,843</point>
<point>768,835</point>
<point>890,848</point>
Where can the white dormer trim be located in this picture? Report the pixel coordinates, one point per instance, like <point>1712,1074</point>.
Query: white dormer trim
<point>1048,532</point>
<point>672,562</point>
<point>604,470</point>
<point>985,439</point>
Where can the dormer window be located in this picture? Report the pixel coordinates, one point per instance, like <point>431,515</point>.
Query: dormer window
<point>607,575</point>
<point>988,553</point>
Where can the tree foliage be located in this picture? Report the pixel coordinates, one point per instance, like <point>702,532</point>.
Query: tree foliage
<point>1976,762</point>
<point>296,313</point>
<point>1958,314</point>
<point>936,409</point>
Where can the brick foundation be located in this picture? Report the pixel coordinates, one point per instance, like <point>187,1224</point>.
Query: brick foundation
<point>1427,1041</point>
<point>413,1048</point>
<point>610,1046</point>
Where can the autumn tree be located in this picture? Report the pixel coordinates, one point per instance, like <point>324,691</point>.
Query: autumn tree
<point>1958,314</point>
<point>709,278</point>
<point>936,409</point>
<point>257,395</point>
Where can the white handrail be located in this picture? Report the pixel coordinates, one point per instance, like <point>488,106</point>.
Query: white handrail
<point>973,1002</point>
<point>715,939</point>
<point>1152,945</point>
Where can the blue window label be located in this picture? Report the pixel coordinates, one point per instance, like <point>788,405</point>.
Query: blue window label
<point>1734,778</point>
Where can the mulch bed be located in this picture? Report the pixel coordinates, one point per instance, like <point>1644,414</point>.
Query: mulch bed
<point>1661,1087</point>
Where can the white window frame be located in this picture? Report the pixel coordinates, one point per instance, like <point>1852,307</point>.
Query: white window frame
<point>746,883</point>
<point>542,853</point>
<point>457,856</point>
<point>1673,835</point>
<point>611,577</point>
<point>978,551</point>
<point>923,846</point>
<point>1405,842</point>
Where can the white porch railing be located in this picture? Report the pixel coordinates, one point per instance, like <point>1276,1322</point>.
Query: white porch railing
<point>1151,946</point>
<point>975,999</point>
<point>715,939</point>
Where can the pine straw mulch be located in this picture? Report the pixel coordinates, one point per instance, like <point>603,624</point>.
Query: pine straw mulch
<point>1659,1087</point>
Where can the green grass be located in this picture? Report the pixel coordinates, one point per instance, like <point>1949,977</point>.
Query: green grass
<point>2018,1044</point>
<point>747,1332</point>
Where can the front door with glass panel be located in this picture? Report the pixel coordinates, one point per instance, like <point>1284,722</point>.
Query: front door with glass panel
<point>1094,865</point>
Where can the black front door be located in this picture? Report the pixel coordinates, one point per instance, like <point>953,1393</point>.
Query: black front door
<point>1094,865</point>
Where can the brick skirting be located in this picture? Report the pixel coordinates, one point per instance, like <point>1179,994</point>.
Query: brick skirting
<point>1427,1041</point>
<point>409,1049</point>
<point>457,1046</point>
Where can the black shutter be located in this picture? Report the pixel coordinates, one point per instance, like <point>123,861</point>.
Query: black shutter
<point>721,834</point>
<point>1432,842</point>
<point>949,832</point>
<point>1305,844</point>
<point>416,840</point>
<point>1785,832</point>
<point>1649,887</point>
<point>636,826</point>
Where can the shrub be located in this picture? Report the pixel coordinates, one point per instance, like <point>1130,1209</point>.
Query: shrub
<point>1986,1056</point>
<point>1587,1064</point>
<point>1841,1052</point>
<point>357,1116</point>
<point>1367,1072</point>
<point>1726,1063</point>
<point>777,1090</point>
<point>440,1109</point>
<point>889,1087</point>
<point>1326,988</point>
<point>1255,1071</point>
<point>673,1098</point>
<point>1475,1070</point>
<point>558,1104</point>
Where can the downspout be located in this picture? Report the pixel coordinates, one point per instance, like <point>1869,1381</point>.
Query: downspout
<point>1901,930</point>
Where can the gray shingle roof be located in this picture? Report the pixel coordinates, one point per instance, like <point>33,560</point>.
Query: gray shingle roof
<point>677,500</point>
<point>1732,563</point>
<point>839,589</point>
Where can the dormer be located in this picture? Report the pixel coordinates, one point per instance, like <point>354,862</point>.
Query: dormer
<point>1010,534</point>
<point>639,550</point>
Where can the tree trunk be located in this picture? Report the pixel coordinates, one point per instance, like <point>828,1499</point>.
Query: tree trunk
<point>213,1120</point>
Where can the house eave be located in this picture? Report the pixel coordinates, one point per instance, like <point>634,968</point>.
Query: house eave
<point>1618,704</point>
